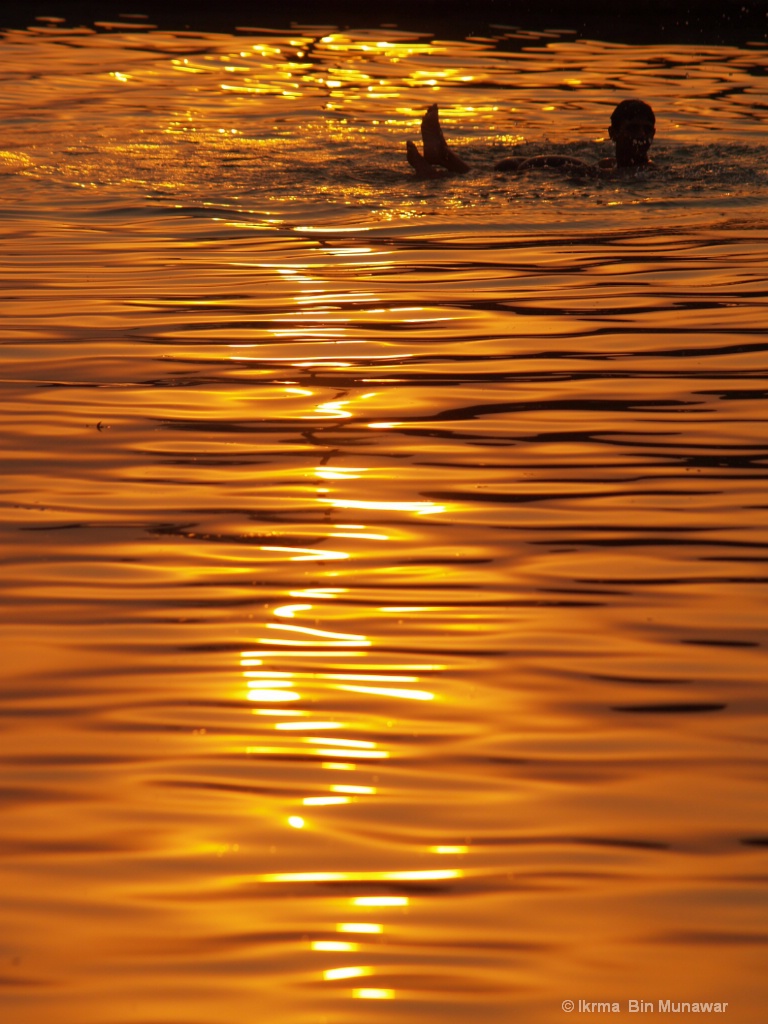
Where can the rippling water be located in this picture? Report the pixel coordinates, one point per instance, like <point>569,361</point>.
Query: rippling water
<point>384,561</point>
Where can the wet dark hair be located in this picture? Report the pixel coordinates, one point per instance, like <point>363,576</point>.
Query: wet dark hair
<point>632,108</point>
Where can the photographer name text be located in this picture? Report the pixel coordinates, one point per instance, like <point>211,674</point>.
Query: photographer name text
<point>643,1006</point>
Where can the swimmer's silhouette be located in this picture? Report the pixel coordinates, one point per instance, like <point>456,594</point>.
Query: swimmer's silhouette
<point>633,126</point>
<point>436,150</point>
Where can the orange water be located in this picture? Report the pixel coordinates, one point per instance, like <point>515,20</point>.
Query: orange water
<point>384,562</point>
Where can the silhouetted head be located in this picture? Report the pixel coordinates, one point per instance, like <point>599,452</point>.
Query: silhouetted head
<point>633,125</point>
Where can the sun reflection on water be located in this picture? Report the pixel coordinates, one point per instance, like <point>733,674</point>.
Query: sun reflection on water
<point>337,743</point>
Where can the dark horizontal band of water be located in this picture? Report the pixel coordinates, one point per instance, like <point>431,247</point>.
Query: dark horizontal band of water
<point>654,21</point>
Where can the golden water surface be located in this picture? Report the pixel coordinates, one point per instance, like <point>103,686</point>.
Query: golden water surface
<point>384,562</point>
